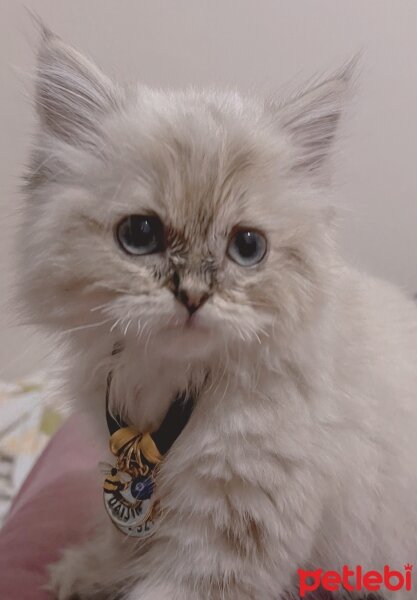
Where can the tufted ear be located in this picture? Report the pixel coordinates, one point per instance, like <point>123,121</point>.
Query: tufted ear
<point>311,117</point>
<point>72,94</point>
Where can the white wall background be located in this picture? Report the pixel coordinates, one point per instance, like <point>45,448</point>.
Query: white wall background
<point>253,44</point>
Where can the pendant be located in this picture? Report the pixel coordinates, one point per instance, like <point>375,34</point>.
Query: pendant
<point>129,486</point>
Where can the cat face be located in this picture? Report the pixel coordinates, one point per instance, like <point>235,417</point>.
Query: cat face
<point>190,221</point>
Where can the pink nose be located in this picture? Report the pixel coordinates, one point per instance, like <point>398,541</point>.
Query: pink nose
<point>192,300</point>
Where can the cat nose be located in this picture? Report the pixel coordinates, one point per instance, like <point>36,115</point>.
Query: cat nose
<point>192,300</point>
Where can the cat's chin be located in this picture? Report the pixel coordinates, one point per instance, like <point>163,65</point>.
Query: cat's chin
<point>187,342</point>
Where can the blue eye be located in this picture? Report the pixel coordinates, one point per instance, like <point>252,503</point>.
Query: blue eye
<point>139,235</point>
<point>247,248</point>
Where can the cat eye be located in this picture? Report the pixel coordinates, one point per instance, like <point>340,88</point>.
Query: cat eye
<point>141,234</point>
<point>247,248</point>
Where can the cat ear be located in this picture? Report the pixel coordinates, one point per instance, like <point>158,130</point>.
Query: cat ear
<point>72,94</point>
<point>311,118</point>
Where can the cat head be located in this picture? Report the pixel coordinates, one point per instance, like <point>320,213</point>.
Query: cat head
<point>191,220</point>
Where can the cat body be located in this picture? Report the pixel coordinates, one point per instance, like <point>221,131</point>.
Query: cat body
<point>301,448</point>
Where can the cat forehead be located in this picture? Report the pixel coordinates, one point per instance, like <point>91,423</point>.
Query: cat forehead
<point>196,162</point>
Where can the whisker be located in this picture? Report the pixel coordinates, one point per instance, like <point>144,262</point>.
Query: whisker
<point>99,307</point>
<point>115,324</point>
<point>103,286</point>
<point>147,341</point>
<point>127,327</point>
<point>138,328</point>
<point>89,326</point>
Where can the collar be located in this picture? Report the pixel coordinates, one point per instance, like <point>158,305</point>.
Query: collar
<point>129,486</point>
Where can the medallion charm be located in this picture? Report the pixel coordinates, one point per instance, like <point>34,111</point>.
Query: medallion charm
<point>129,486</point>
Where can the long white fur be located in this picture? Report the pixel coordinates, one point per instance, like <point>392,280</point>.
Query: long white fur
<point>301,450</point>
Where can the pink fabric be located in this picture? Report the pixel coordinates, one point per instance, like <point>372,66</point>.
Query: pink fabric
<point>52,511</point>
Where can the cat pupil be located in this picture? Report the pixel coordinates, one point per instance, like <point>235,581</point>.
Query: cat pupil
<point>142,234</point>
<point>246,243</point>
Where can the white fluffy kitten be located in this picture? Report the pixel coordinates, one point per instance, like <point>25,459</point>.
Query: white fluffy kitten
<point>301,450</point>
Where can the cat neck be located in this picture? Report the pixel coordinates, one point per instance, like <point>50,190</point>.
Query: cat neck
<point>145,381</point>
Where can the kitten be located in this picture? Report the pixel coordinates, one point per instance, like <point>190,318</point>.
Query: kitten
<point>225,282</point>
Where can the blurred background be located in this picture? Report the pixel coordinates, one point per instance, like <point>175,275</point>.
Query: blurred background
<point>253,44</point>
